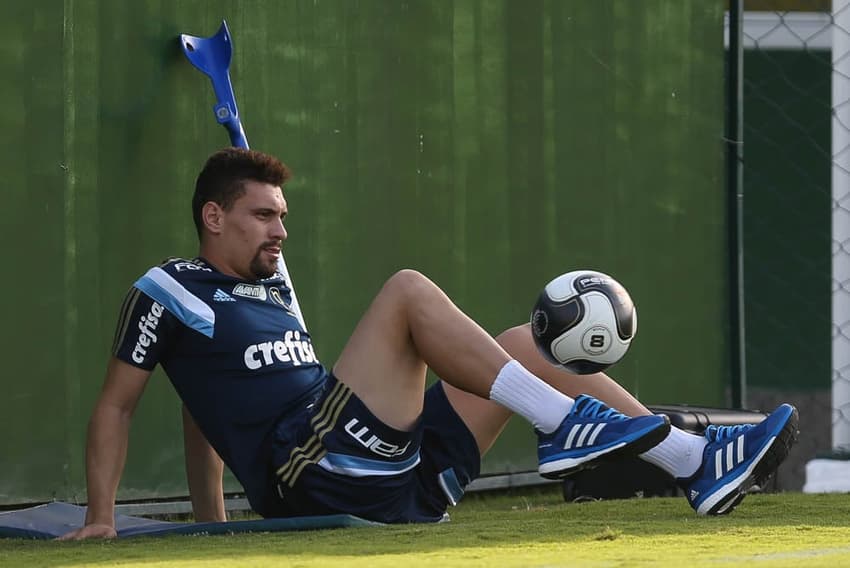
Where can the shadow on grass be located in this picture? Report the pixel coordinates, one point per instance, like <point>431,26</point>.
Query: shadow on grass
<point>506,520</point>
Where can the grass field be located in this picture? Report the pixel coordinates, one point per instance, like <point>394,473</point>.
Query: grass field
<point>531,528</point>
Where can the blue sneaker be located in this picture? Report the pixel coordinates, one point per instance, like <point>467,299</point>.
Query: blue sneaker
<point>592,433</point>
<point>739,457</point>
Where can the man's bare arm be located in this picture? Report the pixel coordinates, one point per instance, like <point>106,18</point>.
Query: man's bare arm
<point>204,470</point>
<point>106,446</point>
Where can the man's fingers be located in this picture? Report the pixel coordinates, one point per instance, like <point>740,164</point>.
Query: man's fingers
<point>68,536</point>
<point>90,531</point>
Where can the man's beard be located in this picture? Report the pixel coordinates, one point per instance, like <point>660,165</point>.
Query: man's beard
<point>261,269</point>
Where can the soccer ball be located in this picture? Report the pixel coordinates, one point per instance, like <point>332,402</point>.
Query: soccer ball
<point>584,321</point>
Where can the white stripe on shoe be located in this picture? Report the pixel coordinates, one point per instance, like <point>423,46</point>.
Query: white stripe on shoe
<point>584,432</point>
<point>731,455</point>
<point>573,431</point>
<point>595,433</point>
<point>583,435</point>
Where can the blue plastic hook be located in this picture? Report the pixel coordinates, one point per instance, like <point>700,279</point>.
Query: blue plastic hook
<point>211,56</point>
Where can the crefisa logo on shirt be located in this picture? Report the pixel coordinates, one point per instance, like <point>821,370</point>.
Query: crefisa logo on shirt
<point>254,291</point>
<point>147,326</point>
<point>292,349</point>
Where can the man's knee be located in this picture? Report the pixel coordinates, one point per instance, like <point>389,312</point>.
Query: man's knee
<point>406,285</point>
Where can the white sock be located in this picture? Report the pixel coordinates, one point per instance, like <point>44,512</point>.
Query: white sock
<point>679,454</point>
<point>518,390</point>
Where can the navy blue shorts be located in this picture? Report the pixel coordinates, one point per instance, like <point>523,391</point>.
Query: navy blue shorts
<point>335,456</point>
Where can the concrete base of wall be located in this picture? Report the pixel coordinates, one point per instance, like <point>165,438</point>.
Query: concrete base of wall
<point>815,439</point>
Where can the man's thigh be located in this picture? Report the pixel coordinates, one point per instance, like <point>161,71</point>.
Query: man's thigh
<point>380,363</point>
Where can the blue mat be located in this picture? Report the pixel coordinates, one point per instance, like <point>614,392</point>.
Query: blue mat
<point>55,519</point>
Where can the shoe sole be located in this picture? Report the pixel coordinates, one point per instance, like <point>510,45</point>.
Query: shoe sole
<point>773,454</point>
<point>560,469</point>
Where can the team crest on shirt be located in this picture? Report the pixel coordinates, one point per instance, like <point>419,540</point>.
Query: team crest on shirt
<point>253,291</point>
<point>278,297</point>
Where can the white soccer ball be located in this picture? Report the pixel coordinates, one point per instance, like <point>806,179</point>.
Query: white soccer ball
<point>584,321</point>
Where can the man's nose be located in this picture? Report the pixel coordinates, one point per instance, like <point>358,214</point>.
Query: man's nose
<point>278,231</point>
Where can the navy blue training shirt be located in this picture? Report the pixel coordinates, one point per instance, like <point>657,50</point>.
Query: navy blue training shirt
<point>234,350</point>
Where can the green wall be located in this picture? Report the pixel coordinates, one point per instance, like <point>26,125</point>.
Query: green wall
<point>490,144</point>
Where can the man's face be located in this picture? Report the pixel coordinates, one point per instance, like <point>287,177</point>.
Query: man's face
<point>252,232</point>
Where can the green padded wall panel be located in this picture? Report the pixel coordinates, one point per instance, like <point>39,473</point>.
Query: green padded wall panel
<point>489,144</point>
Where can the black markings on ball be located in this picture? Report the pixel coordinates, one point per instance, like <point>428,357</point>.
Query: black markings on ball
<point>560,316</point>
<point>539,322</point>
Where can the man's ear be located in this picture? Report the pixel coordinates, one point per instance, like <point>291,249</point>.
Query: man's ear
<point>212,216</point>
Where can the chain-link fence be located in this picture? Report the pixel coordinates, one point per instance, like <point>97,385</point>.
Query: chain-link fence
<point>841,225</point>
<point>796,228</point>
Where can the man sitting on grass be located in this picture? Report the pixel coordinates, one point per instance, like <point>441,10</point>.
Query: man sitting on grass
<point>364,438</point>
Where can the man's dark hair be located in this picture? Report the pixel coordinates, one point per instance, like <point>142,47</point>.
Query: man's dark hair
<point>222,179</point>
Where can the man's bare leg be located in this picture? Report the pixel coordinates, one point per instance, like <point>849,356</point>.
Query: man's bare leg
<point>412,323</point>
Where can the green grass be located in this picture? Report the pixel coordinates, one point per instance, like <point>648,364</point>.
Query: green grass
<point>532,528</point>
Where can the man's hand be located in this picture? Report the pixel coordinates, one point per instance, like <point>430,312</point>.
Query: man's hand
<point>106,446</point>
<point>90,531</point>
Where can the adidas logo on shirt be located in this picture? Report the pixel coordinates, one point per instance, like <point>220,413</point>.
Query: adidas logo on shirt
<point>222,296</point>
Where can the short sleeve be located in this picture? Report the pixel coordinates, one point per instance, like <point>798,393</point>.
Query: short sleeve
<point>144,331</point>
